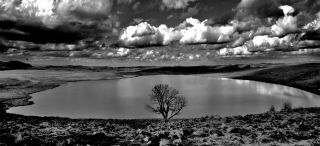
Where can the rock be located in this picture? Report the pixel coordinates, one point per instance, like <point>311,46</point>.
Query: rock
<point>266,140</point>
<point>154,140</point>
<point>30,141</point>
<point>177,142</point>
<point>175,134</point>
<point>96,139</point>
<point>44,124</point>
<point>278,136</point>
<point>241,131</point>
<point>164,142</point>
<point>187,131</point>
<point>163,134</point>
<point>146,139</point>
<point>201,133</point>
<point>203,119</point>
<point>139,131</point>
<point>218,133</point>
<point>304,127</point>
<point>228,120</point>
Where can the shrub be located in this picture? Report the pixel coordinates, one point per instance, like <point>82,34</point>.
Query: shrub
<point>272,109</point>
<point>287,106</point>
<point>3,108</point>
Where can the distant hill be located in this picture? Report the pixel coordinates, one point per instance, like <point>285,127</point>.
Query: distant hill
<point>12,65</point>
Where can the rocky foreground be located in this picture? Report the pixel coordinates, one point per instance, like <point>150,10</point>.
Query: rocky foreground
<point>294,127</point>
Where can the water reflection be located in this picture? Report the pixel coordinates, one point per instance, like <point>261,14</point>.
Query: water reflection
<point>126,98</point>
<point>279,91</point>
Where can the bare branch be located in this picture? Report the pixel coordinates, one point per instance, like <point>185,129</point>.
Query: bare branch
<point>166,101</point>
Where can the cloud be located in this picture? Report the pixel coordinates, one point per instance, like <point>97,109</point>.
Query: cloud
<point>287,24</point>
<point>242,50</point>
<point>78,18</point>
<point>29,10</point>
<point>189,13</point>
<point>261,9</point>
<point>252,26</point>
<point>199,32</point>
<point>313,25</point>
<point>269,8</point>
<point>124,1</point>
<point>192,31</point>
<point>259,27</point>
<point>176,4</point>
<point>287,10</point>
<point>268,42</point>
<point>144,34</point>
<point>53,13</point>
<point>84,9</point>
<point>246,3</point>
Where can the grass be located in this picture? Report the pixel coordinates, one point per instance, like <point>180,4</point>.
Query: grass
<point>303,76</point>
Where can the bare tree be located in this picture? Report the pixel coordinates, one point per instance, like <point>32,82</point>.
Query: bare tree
<point>166,101</point>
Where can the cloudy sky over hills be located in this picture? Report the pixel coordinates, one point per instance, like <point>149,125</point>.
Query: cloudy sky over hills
<point>240,26</point>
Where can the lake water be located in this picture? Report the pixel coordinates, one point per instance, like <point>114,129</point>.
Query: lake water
<point>126,98</point>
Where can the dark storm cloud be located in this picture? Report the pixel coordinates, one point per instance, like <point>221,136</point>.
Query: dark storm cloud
<point>55,20</point>
<point>13,30</point>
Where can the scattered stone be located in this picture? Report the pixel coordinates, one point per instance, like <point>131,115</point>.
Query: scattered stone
<point>177,142</point>
<point>241,131</point>
<point>164,142</point>
<point>296,127</point>
<point>304,127</point>
<point>44,124</point>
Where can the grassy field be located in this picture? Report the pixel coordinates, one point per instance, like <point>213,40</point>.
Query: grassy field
<point>302,76</point>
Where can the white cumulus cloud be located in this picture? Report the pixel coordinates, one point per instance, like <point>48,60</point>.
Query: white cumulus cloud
<point>199,32</point>
<point>34,10</point>
<point>266,42</point>
<point>287,24</point>
<point>144,34</point>
<point>192,31</point>
<point>87,9</point>
<point>242,50</point>
<point>53,12</point>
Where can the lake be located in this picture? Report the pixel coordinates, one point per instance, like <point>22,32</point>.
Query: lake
<point>126,98</point>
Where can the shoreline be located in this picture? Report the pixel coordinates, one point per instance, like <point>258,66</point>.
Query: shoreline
<point>30,83</point>
<point>29,96</point>
<point>306,79</point>
<point>246,73</point>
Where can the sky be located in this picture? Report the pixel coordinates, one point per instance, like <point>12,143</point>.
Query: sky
<point>238,26</point>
